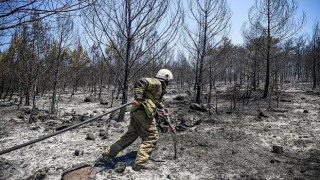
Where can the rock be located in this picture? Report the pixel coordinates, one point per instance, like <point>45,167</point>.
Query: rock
<point>117,125</point>
<point>198,122</point>
<point>68,114</point>
<point>103,134</point>
<point>277,149</point>
<point>84,117</point>
<point>303,170</point>
<point>305,111</point>
<point>74,117</point>
<point>43,117</point>
<point>27,110</point>
<point>282,115</point>
<point>95,111</point>
<point>263,114</point>
<point>90,136</point>
<point>179,98</point>
<point>40,174</point>
<point>88,99</point>
<point>63,126</point>
<point>285,100</point>
<point>35,128</point>
<point>35,118</point>
<point>192,129</point>
<point>120,167</point>
<point>20,116</point>
<point>274,161</point>
<point>180,128</point>
<point>13,120</point>
<point>104,101</point>
<point>174,91</point>
<point>78,152</point>
<point>197,107</point>
<point>280,110</point>
<point>164,129</point>
<point>187,120</point>
<point>164,149</point>
<point>36,111</point>
<point>52,123</point>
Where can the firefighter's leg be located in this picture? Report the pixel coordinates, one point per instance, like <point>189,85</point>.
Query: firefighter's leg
<point>147,130</point>
<point>121,143</point>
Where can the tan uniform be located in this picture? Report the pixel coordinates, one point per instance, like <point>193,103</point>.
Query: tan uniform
<point>142,121</point>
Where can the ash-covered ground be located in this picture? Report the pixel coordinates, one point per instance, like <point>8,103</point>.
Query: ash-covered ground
<point>254,140</point>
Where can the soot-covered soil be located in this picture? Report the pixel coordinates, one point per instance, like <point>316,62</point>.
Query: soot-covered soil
<point>230,144</point>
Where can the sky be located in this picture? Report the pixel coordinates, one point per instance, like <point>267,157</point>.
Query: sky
<point>240,9</point>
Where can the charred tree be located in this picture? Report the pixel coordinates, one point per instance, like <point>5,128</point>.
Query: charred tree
<point>274,19</point>
<point>212,19</point>
<point>126,26</point>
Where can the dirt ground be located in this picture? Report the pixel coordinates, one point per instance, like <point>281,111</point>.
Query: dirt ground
<point>256,140</point>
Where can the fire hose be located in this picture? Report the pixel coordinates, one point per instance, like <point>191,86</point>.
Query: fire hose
<point>59,132</point>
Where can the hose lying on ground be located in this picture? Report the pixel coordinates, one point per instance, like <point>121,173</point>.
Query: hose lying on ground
<point>59,132</point>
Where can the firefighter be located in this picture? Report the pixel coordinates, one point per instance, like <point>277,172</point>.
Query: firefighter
<point>148,94</point>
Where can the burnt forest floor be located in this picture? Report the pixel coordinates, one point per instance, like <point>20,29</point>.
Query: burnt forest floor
<point>254,140</point>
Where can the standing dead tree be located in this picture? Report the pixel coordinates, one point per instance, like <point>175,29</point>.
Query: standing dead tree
<point>274,19</point>
<point>121,29</point>
<point>212,20</point>
<point>299,59</point>
<point>38,34</point>
<point>182,69</point>
<point>254,45</point>
<point>315,44</point>
<point>61,37</point>
<point>8,68</point>
<point>17,13</point>
<point>30,44</point>
<point>77,68</point>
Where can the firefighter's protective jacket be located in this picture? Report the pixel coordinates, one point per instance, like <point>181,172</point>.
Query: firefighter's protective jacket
<point>150,92</point>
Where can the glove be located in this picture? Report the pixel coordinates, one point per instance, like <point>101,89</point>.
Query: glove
<point>137,103</point>
<point>162,112</point>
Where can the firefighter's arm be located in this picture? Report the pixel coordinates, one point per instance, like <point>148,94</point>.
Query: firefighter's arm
<point>138,89</point>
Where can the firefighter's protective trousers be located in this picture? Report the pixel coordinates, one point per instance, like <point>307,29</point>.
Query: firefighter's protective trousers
<point>140,126</point>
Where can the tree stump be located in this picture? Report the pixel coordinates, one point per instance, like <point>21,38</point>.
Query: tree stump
<point>82,172</point>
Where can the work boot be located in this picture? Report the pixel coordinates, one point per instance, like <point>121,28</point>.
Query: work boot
<point>104,159</point>
<point>138,167</point>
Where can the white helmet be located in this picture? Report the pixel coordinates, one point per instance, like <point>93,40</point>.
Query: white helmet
<point>164,74</point>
